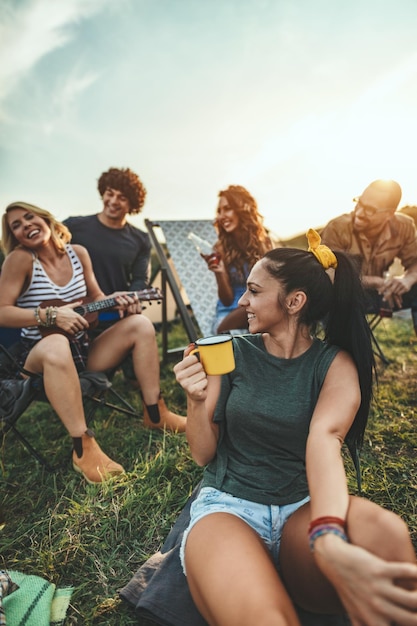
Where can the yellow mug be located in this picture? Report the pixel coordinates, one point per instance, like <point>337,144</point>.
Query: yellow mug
<point>216,354</point>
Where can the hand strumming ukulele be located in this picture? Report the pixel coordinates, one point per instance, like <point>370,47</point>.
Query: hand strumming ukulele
<point>91,309</point>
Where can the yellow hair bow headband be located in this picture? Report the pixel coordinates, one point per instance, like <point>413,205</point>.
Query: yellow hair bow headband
<point>322,253</point>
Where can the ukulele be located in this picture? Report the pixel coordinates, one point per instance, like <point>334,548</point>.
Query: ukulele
<point>91,309</point>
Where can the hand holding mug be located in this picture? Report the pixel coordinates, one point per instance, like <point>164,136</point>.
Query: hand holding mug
<point>191,375</point>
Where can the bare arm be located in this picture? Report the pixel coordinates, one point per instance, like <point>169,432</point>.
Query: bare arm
<point>366,584</point>
<point>14,279</point>
<point>334,413</point>
<point>224,288</point>
<point>202,394</point>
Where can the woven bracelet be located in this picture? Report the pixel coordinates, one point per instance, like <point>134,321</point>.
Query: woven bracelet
<point>50,316</point>
<point>325,530</point>
<point>37,315</point>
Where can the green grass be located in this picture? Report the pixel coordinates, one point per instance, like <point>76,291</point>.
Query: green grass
<point>96,537</point>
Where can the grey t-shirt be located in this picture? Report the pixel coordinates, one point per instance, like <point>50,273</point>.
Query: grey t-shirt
<point>264,412</point>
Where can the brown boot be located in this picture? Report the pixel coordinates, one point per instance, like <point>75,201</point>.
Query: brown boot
<point>89,459</point>
<point>158,416</point>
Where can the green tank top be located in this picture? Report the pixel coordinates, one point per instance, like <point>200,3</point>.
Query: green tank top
<point>264,412</point>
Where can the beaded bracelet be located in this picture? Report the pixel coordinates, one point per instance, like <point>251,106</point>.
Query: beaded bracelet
<point>54,313</point>
<point>325,530</point>
<point>37,315</point>
<point>327,519</point>
<point>51,312</point>
<point>50,316</point>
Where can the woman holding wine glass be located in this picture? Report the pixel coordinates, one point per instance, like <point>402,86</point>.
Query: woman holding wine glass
<point>242,240</point>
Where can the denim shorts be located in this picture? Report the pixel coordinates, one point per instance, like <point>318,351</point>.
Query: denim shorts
<point>268,521</point>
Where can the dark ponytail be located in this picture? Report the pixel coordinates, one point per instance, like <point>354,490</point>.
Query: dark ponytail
<point>335,306</point>
<point>346,326</point>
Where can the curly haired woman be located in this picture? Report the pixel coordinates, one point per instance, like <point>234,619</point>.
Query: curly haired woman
<point>242,240</point>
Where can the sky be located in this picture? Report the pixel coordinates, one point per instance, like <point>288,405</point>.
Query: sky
<point>303,102</point>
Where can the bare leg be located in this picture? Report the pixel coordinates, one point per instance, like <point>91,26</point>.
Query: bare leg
<point>52,357</point>
<point>368,525</point>
<point>134,334</point>
<point>231,576</point>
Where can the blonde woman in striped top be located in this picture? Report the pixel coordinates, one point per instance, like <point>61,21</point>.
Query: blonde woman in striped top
<point>42,265</point>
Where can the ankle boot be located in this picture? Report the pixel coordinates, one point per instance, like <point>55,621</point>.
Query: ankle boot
<point>89,459</point>
<point>158,416</point>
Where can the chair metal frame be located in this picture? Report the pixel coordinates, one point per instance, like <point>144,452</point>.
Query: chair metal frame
<point>374,321</point>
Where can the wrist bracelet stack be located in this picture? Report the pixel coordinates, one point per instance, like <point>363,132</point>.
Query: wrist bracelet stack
<point>50,316</point>
<point>326,525</point>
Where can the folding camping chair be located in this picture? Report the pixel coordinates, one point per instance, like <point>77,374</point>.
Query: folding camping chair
<point>199,284</point>
<point>16,394</point>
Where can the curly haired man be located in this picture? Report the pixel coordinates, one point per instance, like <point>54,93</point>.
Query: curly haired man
<point>120,254</point>
<point>119,251</point>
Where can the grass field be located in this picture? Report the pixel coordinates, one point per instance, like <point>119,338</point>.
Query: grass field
<point>95,537</point>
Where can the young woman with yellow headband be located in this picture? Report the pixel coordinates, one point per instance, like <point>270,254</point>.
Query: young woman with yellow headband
<point>273,527</point>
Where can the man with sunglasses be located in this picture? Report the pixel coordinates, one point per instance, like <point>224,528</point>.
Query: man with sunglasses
<point>375,233</point>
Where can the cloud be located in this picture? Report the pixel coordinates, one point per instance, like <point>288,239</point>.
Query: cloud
<point>33,29</point>
<point>65,96</point>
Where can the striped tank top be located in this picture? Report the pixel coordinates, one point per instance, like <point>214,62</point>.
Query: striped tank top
<point>43,288</point>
